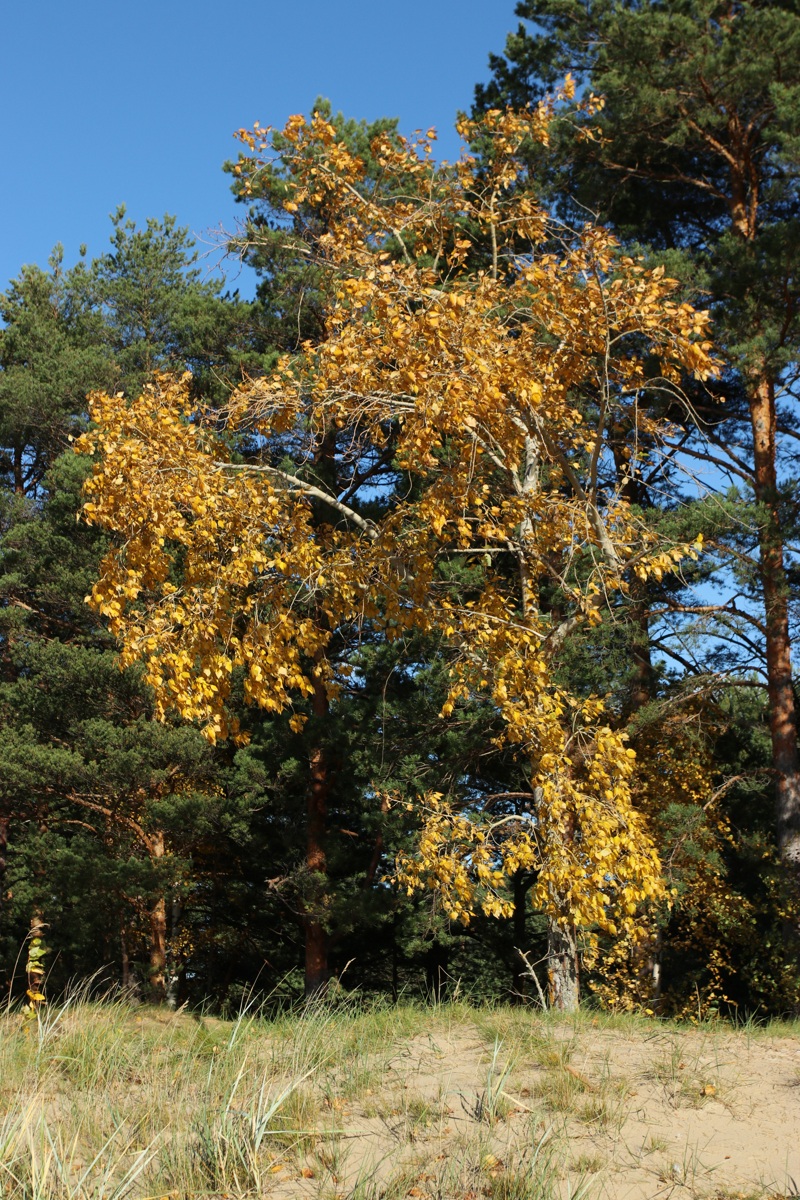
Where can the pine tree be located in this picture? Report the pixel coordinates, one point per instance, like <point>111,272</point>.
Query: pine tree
<point>86,772</point>
<point>51,354</point>
<point>694,156</point>
<point>419,430</point>
<point>160,310</point>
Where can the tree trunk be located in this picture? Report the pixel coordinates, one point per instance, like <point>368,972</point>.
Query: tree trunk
<point>782,711</point>
<point>782,714</point>
<point>655,964</point>
<point>642,682</point>
<point>317,971</point>
<point>158,933</point>
<point>520,981</point>
<point>633,490</point>
<point>562,966</point>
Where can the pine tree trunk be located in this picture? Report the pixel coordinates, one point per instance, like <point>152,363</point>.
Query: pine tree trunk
<point>562,966</point>
<point>158,951</point>
<point>317,971</point>
<point>158,933</point>
<point>782,710</point>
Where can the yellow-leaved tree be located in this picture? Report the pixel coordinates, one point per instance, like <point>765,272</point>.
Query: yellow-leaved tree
<point>474,360</point>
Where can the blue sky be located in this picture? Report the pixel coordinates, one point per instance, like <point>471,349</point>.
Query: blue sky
<point>108,103</point>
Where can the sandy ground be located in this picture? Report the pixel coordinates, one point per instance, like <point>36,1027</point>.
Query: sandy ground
<point>454,1103</point>
<point>617,1116</point>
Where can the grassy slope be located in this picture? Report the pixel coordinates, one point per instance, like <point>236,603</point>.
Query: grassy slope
<point>101,1100</point>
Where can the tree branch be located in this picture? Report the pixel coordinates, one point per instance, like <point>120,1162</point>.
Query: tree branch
<point>308,489</point>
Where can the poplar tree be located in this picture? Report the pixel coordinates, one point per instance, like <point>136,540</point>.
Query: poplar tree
<point>437,419</point>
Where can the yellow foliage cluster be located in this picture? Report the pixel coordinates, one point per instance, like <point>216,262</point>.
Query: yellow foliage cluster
<point>489,393</point>
<point>594,860</point>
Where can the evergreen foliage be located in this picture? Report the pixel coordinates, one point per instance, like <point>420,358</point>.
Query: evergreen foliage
<point>691,159</point>
<point>183,870</point>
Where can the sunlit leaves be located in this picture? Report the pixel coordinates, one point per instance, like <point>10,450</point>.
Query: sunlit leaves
<point>484,397</point>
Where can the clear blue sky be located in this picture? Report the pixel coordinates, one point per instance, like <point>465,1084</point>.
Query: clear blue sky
<point>107,103</point>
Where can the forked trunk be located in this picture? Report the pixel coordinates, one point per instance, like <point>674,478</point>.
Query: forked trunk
<point>562,966</point>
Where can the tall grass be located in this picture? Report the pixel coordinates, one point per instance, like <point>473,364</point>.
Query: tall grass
<point>101,1099</point>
